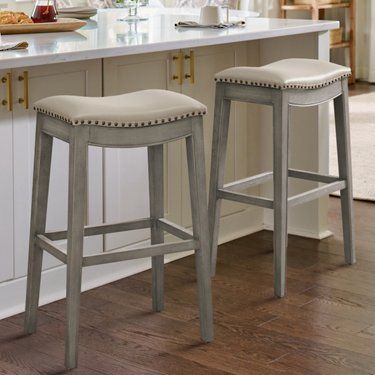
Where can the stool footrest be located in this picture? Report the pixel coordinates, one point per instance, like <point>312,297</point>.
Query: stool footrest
<point>248,182</point>
<point>316,193</point>
<point>332,183</point>
<point>175,230</point>
<point>144,252</point>
<point>244,198</point>
<point>93,230</point>
<point>117,255</point>
<point>46,244</point>
<point>311,176</point>
<point>45,241</point>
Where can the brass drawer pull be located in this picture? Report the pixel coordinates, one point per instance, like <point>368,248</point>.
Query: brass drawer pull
<point>191,57</point>
<point>25,99</point>
<point>180,64</point>
<point>9,100</point>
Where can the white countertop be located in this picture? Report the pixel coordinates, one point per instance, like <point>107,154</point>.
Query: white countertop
<point>105,36</point>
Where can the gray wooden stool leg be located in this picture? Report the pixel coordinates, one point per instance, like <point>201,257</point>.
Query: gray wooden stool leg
<point>280,181</point>
<point>219,147</point>
<point>197,181</point>
<point>345,171</point>
<point>76,221</point>
<point>156,191</point>
<point>42,165</point>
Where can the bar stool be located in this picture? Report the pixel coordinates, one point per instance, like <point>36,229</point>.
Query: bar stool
<point>144,118</point>
<point>286,83</point>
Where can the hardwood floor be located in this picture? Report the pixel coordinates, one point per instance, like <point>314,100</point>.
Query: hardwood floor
<point>326,324</point>
<point>360,87</point>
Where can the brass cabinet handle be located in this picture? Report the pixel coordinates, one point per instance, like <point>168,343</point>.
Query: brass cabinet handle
<point>25,99</point>
<point>191,57</point>
<point>179,58</point>
<point>9,100</point>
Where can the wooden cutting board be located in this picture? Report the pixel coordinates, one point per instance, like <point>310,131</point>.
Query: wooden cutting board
<point>62,24</point>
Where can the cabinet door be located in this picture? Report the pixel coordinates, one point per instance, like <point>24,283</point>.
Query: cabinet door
<point>78,78</point>
<point>6,185</point>
<point>208,61</point>
<point>125,170</point>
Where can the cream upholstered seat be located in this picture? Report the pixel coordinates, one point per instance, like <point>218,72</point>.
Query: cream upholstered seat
<point>286,74</point>
<point>136,109</point>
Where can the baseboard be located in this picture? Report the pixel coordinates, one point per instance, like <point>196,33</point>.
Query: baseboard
<point>13,292</point>
<point>303,233</point>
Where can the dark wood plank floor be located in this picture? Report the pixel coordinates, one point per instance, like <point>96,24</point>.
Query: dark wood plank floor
<point>326,325</point>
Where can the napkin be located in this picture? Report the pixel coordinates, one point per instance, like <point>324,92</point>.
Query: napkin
<point>77,12</point>
<point>13,45</point>
<point>223,25</point>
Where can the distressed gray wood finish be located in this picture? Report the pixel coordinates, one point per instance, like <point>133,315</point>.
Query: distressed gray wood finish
<point>341,105</point>
<point>281,101</point>
<point>197,181</point>
<point>42,165</point>
<point>176,230</point>
<point>219,150</point>
<point>79,138</point>
<point>78,149</point>
<point>156,192</point>
<point>248,182</point>
<point>280,189</point>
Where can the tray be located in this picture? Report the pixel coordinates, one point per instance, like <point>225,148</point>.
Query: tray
<point>62,24</point>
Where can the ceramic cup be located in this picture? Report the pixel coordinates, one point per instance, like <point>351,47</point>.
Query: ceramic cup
<point>210,15</point>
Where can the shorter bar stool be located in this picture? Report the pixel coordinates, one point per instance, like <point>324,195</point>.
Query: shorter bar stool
<point>148,118</point>
<point>285,83</point>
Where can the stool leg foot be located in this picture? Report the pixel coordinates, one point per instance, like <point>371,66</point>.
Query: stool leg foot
<point>280,209</point>
<point>219,148</point>
<point>345,172</point>
<point>42,165</point>
<point>197,181</point>
<point>156,192</point>
<point>76,221</point>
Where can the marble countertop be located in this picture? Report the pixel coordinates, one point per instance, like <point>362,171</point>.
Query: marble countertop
<point>105,36</point>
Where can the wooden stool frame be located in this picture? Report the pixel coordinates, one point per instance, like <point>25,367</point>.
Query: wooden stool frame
<point>281,101</point>
<point>79,138</point>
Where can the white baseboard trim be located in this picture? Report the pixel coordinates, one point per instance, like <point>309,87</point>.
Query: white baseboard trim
<point>12,293</point>
<point>303,233</point>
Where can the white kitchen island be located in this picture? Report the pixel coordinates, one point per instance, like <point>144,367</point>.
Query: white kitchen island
<point>108,57</point>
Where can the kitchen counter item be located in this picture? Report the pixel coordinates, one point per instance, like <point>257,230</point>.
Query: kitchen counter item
<point>77,12</point>
<point>63,24</point>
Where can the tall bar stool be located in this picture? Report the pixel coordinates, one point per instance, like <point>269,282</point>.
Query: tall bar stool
<point>144,118</point>
<point>286,83</point>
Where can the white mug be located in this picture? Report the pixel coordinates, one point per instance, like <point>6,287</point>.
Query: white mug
<point>210,15</point>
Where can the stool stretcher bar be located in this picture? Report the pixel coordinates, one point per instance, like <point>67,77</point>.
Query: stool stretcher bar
<point>144,252</point>
<point>175,230</point>
<point>316,193</point>
<point>244,198</point>
<point>332,184</point>
<point>93,230</point>
<point>248,182</point>
<point>45,242</point>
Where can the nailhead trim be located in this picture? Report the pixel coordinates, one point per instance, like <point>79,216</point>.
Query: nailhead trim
<point>283,87</point>
<point>117,124</point>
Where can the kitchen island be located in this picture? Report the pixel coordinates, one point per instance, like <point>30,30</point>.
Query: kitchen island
<point>109,57</point>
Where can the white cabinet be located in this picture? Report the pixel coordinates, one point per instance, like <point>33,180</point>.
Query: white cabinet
<point>79,78</point>
<point>6,179</point>
<point>125,171</point>
<point>207,62</point>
